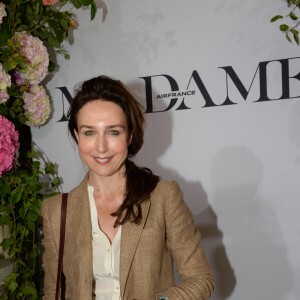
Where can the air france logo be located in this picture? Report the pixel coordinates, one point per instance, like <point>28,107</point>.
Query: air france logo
<point>176,96</point>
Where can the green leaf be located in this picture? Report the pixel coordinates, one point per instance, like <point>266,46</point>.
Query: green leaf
<point>50,169</point>
<point>29,290</point>
<point>32,154</point>
<point>16,196</point>
<point>288,37</point>
<point>4,208</point>
<point>53,42</point>
<point>5,220</point>
<point>85,2</point>
<point>14,251</point>
<point>43,34</point>
<point>33,215</point>
<point>5,33</point>
<point>64,23</point>
<point>296,37</point>
<point>76,3</point>
<point>5,188</point>
<point>6,243</point>
<point>276,18</point>
<point>30,15</point>
<point>284,27</point>
<point>52,66</point>
<point>93,10</point>
<point>293,16</point>
<point>55,182</point>
<point>58,31</point>
<point>11,281</point>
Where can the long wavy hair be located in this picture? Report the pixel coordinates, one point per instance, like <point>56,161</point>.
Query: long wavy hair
<point>140,181</point>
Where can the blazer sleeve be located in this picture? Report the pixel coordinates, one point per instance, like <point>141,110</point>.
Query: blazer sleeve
<point>182,238</point>
<point>51,217</point>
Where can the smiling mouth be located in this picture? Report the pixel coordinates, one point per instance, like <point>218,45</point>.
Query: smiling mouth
<point>103,160</point>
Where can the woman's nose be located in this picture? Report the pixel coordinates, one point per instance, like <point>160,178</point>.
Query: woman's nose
<point>102,144</point>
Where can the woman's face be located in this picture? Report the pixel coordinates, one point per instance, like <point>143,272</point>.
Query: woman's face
<point>103,138</point>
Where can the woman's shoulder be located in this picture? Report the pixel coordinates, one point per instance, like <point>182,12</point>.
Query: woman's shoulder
<point>167,196</point>
<point>167,188</point>
<point>167,185</point>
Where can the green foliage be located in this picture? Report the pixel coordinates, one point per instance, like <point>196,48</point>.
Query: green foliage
<point>292,18</point>
<point>21,193</point>
<point>51,24</point>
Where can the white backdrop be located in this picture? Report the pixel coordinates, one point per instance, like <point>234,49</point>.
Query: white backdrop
<point>238,165</point>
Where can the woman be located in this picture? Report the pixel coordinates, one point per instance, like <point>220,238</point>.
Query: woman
<point>124,225</point>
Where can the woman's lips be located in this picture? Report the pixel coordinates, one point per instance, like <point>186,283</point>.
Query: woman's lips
<point>103,160</point>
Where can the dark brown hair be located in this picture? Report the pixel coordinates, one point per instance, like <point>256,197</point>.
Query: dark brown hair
<point>140,182</point>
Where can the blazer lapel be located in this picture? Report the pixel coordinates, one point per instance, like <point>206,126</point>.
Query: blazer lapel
<point>130,237</point>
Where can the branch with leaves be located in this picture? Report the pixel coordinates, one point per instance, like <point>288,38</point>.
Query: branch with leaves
<point>291,29</point>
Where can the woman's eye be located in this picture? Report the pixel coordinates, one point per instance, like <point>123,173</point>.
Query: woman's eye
<point>114,132</point>
<point>88,132</point>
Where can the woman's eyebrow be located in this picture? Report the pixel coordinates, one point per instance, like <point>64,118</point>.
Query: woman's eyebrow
<point>108,127</point>
<point>86,126</point>
<point>116,125</point>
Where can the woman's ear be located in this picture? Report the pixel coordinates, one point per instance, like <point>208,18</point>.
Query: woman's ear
<point>130,138</point>
<point>76,135</point>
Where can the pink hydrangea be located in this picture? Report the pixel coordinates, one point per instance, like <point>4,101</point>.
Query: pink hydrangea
<point>36,57</point>
<point>36,105</point>
<point>2,11</point>
<point>9,144</point>
<point>5,82</point>
<point>49,2</point>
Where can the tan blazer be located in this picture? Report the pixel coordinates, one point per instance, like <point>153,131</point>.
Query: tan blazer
<point>167,231</point>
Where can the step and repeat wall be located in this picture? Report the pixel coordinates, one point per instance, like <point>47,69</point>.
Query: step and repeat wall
<point>220,85</point>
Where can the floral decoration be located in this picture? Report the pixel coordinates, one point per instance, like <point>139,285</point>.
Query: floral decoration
<point>9,144</point>
<point>49,2</point>
<point>5,82</point>
<point>36,58</point>
<point>32,34</point>
<point>36,105</point>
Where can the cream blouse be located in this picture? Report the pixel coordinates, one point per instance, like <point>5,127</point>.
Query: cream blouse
<point>106,258</point>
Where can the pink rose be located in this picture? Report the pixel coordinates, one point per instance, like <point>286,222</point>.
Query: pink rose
<point>9,144</point>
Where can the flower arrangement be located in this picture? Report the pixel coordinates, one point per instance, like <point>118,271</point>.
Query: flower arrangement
<point>32,33</point>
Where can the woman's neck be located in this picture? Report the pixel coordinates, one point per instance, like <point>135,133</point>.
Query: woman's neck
<point>107,185</point>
